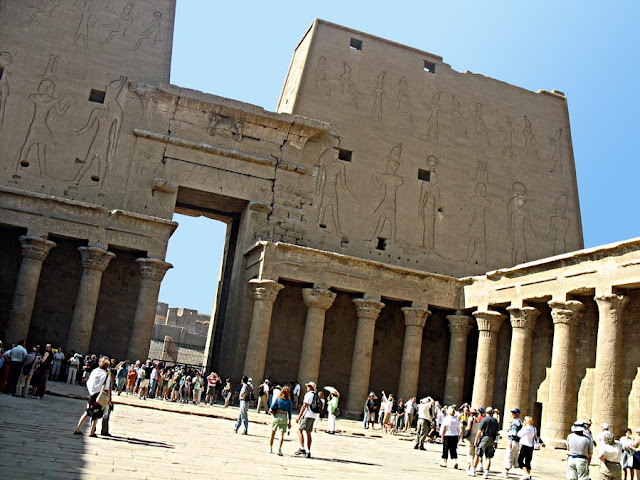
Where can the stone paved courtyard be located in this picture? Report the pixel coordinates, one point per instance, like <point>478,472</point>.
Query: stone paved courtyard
<point>188,441</point>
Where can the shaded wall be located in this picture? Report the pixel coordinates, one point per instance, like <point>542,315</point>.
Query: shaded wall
<point>10,258</point>
<point>541,348</point>
<point>435,355</point>
<point>631,353</point>
<point>470,367</point>
<point>502,364</point>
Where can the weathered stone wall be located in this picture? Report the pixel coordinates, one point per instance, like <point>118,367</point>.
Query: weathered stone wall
<point>435,352</point>
<point>10,258</point>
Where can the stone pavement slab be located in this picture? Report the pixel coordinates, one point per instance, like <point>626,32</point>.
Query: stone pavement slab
<point>164,441</point>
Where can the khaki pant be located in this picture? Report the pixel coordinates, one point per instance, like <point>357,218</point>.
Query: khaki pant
<point>23,385</point>
<point>263,402</point>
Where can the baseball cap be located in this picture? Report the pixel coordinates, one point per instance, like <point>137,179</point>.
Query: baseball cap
<point>605,426</point>
<point>489,410</point>
<point>515,410</point>
<point>481,410</point>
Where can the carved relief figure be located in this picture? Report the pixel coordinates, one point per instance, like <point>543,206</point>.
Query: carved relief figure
<point>322,80</point>
<point>43,8</point>
<point>429,206</point>
<point>433,123</point>
<point>3,5</point>
<point>519,222</point>
<point>477,241</point>
<point>480,127</point>
<point>150,34</point>
<point>404,104</point>
<point>559,225</point>
<point>225,127</point>
<point>529,139</point>
<point>87,21</point>
<point>107,121</point>
<point>377,92</point>
<point>5,61</point>
<point>330,183</point>
<point>507,141</point>
<point>459,125</point>
<point>39,135</point>
<point>388,182</point>
<point>348,87</point>
<point>482,172</point>
<point>50,69</point>
<point>121,24</point>
<point>557,143</point>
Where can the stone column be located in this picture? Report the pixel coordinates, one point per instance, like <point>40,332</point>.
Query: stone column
<point>489,323</point>
<point>152,271</point>
<point>318,301</point>
<point>414,320</point>
<point>560,408</point>
<point>367,310</point>
<point>264,294</point>
<point>34,251</point>
<point>94,263</point>
<point>523,319</point>
<point>459,326</point>
<point>607,398</point>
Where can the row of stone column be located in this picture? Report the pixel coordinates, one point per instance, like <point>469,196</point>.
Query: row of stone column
<point>561,404</point>
<point>95,260</point>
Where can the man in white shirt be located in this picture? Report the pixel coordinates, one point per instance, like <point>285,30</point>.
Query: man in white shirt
<point>424,422</point>
<point>296,394</point>
<point>16,357</point>
<point>408,413</point>
<point>305,419</point>
<point>74,364</point>
<point>604,428</point>
<point>263,396</point>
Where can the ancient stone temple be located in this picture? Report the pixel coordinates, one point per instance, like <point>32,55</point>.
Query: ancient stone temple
<point>363,217</point>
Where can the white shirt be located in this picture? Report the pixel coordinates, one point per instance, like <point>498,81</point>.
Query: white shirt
<point>308,398</point>
<point>600,435</point>
<point>275,395</point>
<point>423,411</point>
<point>96,380</point>
<point>527,433</point>
<point>452,424</point>
<point>408,407</point>
<point>388,406</point>
<point>611,453</point>
<point>296,389</point>
<point>17,353</point>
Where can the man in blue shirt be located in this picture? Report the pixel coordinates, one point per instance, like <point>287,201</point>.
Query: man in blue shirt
<point>16,357</point>
<point>513,443</point>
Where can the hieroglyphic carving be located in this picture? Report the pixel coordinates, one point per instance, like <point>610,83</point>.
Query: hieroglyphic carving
<point>433,122</point>
<point>121,24</point>
<point>519,221</point>
<point>530,143</point>
<point>507,141</point>
<point>50,69</point>
<point>377,93</point>
<point>150,35</point>
<point>5,61</point>
<point>107,120</point>
<point>225,127</point>
<point>430,205</point>
<point>39,135</point>
<point>348,87</point>
<point>477,237</point>
<point>388,182</point>
<point>482,172</point>
<point>322,80</point>
<point>459,124</point>
<point>3,5</point>
<point>480,127</point>
<point>404,104</point>
<point>559,225</point>
<point>87,22</point>
<point>43,8</point>
<point>331,181</point>
<point>558,144</point>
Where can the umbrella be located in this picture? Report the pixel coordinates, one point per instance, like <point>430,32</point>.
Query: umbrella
<point>331,390</point>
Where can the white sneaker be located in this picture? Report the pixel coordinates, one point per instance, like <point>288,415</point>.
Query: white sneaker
<point>504,474</point>
<point>471,472</point>
<point>485,474</point>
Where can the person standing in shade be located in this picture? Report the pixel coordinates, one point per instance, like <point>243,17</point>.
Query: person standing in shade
<point>306,418</point>
<point>281,411</point>
<point>45,367</point>
<point>15,357</point>
<point>243,414</point>
<point>513,443</point>
<point>580,449</point>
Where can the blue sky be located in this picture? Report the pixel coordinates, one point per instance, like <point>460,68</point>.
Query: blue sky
<point>589,50</point>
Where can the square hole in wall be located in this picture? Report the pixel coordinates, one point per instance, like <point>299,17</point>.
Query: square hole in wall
<point>429,66</point>
<point>424,175</point>
<point>345,155</point>
<point>382,244</point>
<point>355,44</point>
<point>97,96</point>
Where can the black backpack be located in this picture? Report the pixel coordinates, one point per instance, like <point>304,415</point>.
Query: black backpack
<point>316,403</point>
<point>261,390</point>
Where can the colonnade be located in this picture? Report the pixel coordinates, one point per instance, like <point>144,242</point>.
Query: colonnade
<point>95,261</point>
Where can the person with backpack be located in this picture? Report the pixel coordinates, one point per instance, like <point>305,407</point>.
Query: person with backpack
<point>245,397</point>
<point>309,411</point>
<point>263,396</point>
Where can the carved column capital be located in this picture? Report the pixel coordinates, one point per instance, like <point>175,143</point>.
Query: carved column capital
<point>318,298</point>
<point>612,302</point>
<point>460,324</point>
<point>368,308</point>
<point>95,258</point>
<point>489,322</point>
<point>266,290</point>
<point>523,317</point>
<point>567,313</point>
<point>35,247</point>
<point>415,316</point>
<point>153,268</point>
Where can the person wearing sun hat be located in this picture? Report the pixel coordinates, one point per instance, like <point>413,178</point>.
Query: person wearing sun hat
<point>305,419</point>
<point>579,451</point>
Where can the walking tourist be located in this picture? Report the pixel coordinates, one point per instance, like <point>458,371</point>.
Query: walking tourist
<point>296,393</point>
<point>243,414</point>
<point>281,409</point>
<point>100,379</point>
<point>469,435</point>
<point>484,442</point>
<point>450,432</point>
<point>580,449</point>
<point>513,443</point>
<point>309,411</point>
<point>323,409</point>
<point>263,396</point>
<point>527,435</point>
<point>610,455</point>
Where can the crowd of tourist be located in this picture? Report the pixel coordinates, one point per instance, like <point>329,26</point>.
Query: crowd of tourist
<point>475,430</point>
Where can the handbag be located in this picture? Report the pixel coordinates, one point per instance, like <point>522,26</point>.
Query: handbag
<point>536,441</point>
<point>336,412</point>
<point>103,397</point>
